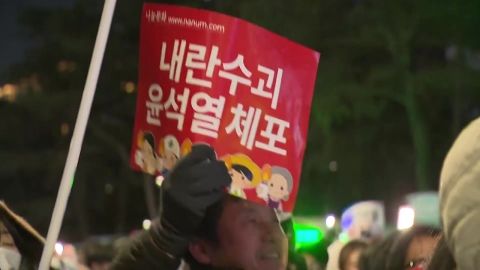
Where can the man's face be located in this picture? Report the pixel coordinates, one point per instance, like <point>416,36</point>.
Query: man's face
<point>250,238</point>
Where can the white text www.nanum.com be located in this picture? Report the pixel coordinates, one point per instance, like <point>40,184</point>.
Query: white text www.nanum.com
<point>196,24</point>
<point>161,16</point>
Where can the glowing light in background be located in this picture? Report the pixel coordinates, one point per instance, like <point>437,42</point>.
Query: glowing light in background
<point>146,224</point>
<point>406,217</point>
<point>159,180</point>
<point>330,221</point>
<point>129,87</point>
<point>306,235</point>
<point>333,166</point>
<point>343,237</point>
<point>64,129</point>
<point>58,248</point>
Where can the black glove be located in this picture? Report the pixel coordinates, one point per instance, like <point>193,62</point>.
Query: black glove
<point>196,182</point>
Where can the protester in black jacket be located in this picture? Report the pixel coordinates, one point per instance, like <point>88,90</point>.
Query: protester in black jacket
<point>201,224</point>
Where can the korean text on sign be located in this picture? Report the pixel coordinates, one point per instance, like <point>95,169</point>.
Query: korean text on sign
<point>245,91</point>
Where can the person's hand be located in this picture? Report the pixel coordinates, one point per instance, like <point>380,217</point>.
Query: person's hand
<point>195,183</point>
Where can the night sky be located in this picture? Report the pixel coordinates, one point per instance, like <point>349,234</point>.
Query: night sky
<point>13,40</point>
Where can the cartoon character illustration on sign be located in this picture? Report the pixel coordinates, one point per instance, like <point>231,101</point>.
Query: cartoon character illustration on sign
<point>277,186</point>
<point>170,152</point>
<point>246,175</point>
<point>186,147</point>
<point>185,150</point>
<point>145,156</point>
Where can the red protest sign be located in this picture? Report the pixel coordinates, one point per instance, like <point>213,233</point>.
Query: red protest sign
<point>209,78</point>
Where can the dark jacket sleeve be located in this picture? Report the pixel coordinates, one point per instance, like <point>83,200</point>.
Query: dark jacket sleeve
<point>142,254</point>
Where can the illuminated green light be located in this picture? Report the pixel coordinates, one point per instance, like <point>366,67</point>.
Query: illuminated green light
<point>306,235</point>
<point>343,237</point>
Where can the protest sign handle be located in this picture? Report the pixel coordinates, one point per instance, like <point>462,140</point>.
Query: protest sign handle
<point>78,134</point>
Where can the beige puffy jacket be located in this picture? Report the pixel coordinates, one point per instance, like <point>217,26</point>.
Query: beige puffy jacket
<point>460,198</point>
